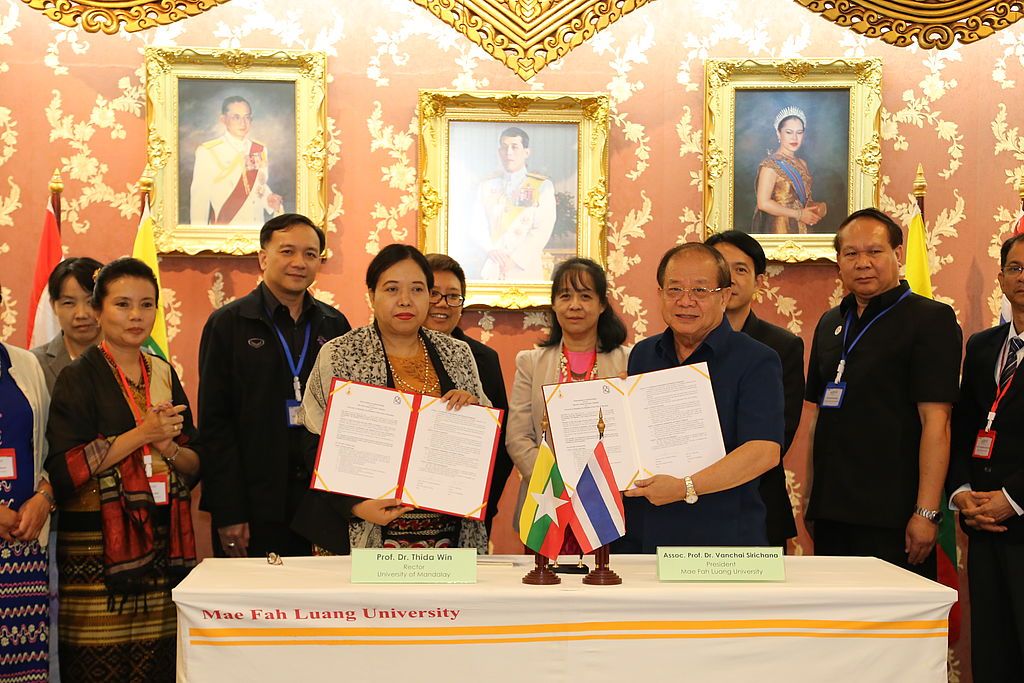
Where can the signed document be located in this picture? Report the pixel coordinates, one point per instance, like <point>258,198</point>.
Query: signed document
<point>662,422</point>
<point>378,442</point>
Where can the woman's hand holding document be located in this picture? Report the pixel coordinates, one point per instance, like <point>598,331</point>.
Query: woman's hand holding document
<point>662,422</point>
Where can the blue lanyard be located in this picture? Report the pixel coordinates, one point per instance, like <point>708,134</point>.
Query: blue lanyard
<point>846,330</point>
<point>296,368</point>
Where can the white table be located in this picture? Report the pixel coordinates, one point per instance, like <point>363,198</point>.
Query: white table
<point>833,619</point>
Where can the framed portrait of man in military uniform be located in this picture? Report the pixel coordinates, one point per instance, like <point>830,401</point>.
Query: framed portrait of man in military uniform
<point>235,138</point>
<point>511,185</point>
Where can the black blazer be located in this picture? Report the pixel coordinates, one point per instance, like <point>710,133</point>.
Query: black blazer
<point>488,366</point>
<point>779,520</point>
<point>1005,469</point>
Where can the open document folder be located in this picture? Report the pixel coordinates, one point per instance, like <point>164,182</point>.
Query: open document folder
<point>378,442</point>
<point>662,422</point>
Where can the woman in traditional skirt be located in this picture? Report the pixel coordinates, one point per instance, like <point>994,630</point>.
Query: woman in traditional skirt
<point>26,501</point>
<point>122,459</point>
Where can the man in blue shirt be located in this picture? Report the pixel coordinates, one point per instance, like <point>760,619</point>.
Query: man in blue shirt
<point>720,504</point>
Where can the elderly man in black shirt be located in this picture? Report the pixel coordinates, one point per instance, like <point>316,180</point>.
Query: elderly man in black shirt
<point>884,372</point>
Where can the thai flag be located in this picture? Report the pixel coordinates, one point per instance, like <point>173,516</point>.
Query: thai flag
<point>598,517</point>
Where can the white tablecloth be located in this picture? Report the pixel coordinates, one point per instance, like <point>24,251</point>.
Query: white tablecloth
<point>833,619</point>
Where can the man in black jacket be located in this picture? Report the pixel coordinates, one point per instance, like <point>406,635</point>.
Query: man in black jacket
<point>446,301</point>
<point>986,475</point>
<point>254,358</point>
<point>747,263</point>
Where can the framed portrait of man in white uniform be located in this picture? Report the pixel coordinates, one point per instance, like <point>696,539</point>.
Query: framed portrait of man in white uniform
<point>511,185</point>
<point>235,138</point>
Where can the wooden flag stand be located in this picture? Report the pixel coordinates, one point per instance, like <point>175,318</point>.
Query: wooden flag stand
<point>602,575</point>
<point>541,574</point>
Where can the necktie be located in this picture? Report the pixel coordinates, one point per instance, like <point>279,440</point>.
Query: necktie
<point>1010,366</point>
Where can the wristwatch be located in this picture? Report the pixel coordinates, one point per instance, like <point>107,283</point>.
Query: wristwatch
<point>691,493</point>
<point>934,516</point>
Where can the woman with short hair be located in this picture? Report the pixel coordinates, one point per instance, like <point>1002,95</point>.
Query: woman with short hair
<point>395,351</point>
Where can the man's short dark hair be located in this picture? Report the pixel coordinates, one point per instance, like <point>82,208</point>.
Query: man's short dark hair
<point>745,243</point>
<point>893,228</point>
<point>1004,251</point>
<point>516,132</point>
<point>234,99</point>
<point>81,268</point>
<point>396,253</point>
<point>440,263</point>
<point>285,221</point>
<point>724,274</point>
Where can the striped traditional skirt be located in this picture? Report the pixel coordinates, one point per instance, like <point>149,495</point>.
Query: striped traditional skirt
<point>103,637</point>
<point>24,613</point>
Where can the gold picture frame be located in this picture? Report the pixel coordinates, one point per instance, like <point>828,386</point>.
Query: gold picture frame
<point>838,102</point>
<point>464,183</point>
<point>195,163</point>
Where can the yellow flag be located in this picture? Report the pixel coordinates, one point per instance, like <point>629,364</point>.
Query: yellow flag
<point>145,251</point>
<point>919,274</point>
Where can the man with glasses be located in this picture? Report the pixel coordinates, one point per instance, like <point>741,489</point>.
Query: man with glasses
<point>446,300</point>
<point>720,504</point>
<point>229,180</point>
<point>986,475</point>
<point>883,372</point>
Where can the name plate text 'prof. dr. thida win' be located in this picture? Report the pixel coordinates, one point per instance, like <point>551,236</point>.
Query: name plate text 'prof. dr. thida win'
<point>419,565</point>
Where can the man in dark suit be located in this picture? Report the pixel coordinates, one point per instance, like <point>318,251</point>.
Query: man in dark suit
<point>986,476</point>
<point>747,263</point>
<point>446,300</point>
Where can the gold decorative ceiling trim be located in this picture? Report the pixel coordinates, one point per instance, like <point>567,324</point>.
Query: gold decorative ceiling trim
<point>930,23</point>
<point>111,16</point>
<point>527,35</point>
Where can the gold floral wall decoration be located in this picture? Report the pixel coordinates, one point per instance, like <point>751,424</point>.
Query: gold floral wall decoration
<point>929,23</point>
<point>527,35</point>
<point>111,16</point>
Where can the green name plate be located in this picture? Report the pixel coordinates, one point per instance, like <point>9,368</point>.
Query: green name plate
<point>720,564</point>
<point>403,565</point>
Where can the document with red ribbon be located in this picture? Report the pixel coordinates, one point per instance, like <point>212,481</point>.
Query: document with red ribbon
<point>378,442</point>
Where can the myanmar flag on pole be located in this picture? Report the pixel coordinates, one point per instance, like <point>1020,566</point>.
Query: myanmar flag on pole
<point>919,277</point>
<point>145,251</point>
<point>546,510</point>
<point>43,325</point>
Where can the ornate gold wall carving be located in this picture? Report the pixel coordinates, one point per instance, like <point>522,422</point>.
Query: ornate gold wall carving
<point>109,15</point>
<point>527,35</point>
<point>930,23</point>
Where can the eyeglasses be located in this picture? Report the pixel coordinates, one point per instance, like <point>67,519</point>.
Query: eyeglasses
<point>1013,271</point>
<point>453,300</point>
<point>696,293</point>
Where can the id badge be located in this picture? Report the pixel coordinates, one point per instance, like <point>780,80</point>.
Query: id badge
<point>834,392</point>
<point>292,406</point>
<point>159,487</point>
<point>983,444</point>
<point>8,464</point>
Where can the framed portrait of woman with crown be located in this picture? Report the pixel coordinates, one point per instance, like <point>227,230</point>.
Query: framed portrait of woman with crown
<point>791,148</point>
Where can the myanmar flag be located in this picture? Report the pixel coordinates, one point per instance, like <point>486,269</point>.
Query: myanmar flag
<point>919,278</point>
<point>145,251</point>
<point>546,510</point>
